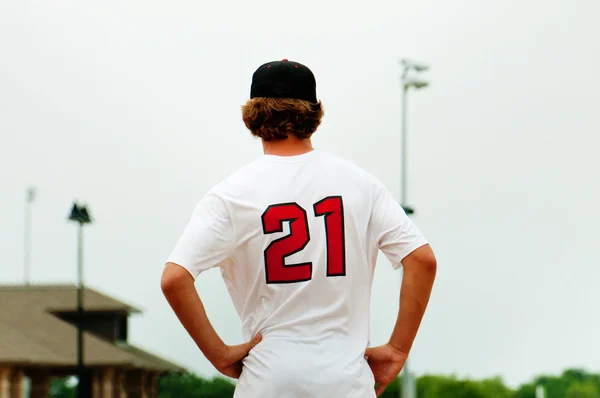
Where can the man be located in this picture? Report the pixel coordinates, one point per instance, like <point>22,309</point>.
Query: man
<point>296,234</point>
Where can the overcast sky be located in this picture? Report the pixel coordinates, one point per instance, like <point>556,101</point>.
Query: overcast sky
<point>134,108</point>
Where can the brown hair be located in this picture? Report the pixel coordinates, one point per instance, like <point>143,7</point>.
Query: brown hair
<point>272,119</point>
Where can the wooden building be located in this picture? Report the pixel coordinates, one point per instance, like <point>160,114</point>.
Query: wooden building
<point>38,342</point>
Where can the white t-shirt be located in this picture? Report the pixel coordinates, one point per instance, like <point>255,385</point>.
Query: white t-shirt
<point>296,239</point>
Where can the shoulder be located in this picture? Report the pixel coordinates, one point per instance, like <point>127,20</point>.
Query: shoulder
<point>345,165</point>
<point>238,180</point>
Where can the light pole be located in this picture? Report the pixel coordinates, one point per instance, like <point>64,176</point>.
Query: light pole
<point>80,215</point>
<point>29,198</point>
<point>540,392</point>
<point>408,82</point>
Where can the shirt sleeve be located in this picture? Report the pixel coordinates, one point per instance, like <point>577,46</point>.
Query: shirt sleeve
<point>207,240</point>
<point>392,231</point>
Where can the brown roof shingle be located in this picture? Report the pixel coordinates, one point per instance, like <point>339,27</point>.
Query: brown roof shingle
<point>31,334</point>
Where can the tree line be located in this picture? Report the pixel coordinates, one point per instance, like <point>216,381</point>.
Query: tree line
<point>572,383</point>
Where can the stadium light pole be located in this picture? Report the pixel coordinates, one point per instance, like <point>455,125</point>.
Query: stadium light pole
<point>80,215</point>
<point>29,198</point>
<point>540,392</point>
<point>408,82</point>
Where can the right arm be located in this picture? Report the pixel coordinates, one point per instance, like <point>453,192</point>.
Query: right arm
<point>207,241</point>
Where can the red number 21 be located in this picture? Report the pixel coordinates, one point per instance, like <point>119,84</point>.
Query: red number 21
<point>276,270</point>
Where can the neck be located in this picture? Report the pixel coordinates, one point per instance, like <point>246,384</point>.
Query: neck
<point>291,146</point>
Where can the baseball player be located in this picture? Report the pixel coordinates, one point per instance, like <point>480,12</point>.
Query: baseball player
<point>296,234</point>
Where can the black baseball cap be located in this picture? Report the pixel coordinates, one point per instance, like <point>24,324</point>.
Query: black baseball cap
<point>284,79</point>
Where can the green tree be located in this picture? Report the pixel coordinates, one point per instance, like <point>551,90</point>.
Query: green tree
<point>587,389</point>
<point>393,389</point>
<point>189,385</point>
<point>525,391</point>
<point>60,388</point>
<point>571,383</point>
<point>495,388</point>
<point>450,387</point>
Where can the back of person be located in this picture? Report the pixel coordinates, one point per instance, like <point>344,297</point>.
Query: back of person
<point>306,233</point>
<point>301,273</point>
<point>296,235</point>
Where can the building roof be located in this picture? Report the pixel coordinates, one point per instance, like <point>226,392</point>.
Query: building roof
<point>31,335</point>
<point>63,298</point>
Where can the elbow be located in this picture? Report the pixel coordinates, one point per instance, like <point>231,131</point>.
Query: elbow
<point>421,262</point>
<point>167,282</point>
<point>427,263</point>
<point>431,266</point>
